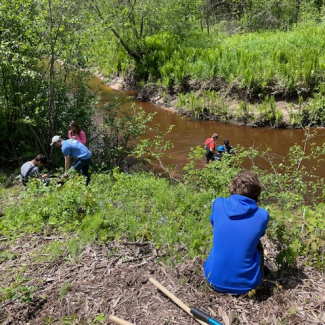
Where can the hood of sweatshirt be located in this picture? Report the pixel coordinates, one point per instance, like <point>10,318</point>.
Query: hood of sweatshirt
<point>239,207</point>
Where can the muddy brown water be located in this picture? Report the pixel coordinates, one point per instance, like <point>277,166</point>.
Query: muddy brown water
<point>188,133</point>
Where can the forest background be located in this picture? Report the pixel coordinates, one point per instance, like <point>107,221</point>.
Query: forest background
<point>222,60</point>
<point>252,62</point>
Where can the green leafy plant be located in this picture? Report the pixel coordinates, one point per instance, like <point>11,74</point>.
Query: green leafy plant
<point>99,319</point>
<point>41,95</point>
<point>291,180</point>
<point>118,134</point>
<point>17,290</point>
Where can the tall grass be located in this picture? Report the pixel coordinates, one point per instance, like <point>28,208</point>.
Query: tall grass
<point>292,60</point>
<point>289,63</point>
<point>209,102</point>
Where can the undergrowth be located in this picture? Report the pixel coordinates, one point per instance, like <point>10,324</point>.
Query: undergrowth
<point>115,206</point>
<point>143,207</point>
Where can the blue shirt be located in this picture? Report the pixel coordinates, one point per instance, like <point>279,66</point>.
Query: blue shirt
<point>234,263</point>
<point>75,149</point>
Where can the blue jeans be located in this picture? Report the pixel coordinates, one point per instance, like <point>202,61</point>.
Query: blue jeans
<point>82,166</point>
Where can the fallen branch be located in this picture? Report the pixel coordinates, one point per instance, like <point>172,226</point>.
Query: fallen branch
<point>174,299</point>
<point>119,320</point>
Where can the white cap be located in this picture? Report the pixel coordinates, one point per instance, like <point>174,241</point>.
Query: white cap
<point>56,138</point>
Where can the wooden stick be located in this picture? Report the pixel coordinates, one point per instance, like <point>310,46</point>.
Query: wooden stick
<point>175,299</point>
<point>119,320</point>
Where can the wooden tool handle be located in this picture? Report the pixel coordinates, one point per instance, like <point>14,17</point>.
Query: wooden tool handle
<point>175,299</point>
<point>119,320</point>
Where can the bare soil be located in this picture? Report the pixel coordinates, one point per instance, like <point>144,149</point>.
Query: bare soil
<point>114,279</point>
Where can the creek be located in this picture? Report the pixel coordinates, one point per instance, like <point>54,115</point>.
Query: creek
<point>189,132</point>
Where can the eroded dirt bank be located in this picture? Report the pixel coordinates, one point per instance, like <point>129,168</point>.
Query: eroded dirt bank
<point>231,97</point>
<point>101,281</point>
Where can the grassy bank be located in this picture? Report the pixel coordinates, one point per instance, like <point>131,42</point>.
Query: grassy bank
<point>65,248</point>
<point>263,78</point>
<point>142,207</point>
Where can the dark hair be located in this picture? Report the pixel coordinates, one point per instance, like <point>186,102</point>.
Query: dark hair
<point>41,158</point>
<point>247,184</point>
<point>226,142</point>
<point>76,125</point>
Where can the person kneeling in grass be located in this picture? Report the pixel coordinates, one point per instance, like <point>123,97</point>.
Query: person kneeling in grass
<point>78,151</point>
<point>31,169</point>
<point>235,262</point>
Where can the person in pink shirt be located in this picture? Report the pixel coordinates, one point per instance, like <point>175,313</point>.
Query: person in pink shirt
<point>76,133</point>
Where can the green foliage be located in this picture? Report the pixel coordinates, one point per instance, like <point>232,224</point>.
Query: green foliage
<point>312,111</point>
<point>74,247</point>
<point>140,206</point>
<point>284,230</point>
<point>5,255</point>
<point>125,26</point>
<point>54,250</point>
<point>313,236</point>
<point>40,94</point>
<point>5,180</point>
<point>117,136</point>
<point>290,180</point>
<point>16,290</point>
<point>209,103</point>
<point>244,112</point>
<point>296,226</point>
<point>257,64</point>
<point>99,319</point>
<point>216,175</point>
<point>153,150</point>
<point>270,14</point>
<point>285,195</point>
<point>269,114</point>
<point>298,233</point>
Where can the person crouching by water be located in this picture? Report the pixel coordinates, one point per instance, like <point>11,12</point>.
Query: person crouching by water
<point>78,151</point>
<point>218,156</point>
<point>76,133</point>
<point>235,263</point>
<point>228,148</point>
<point>31,169</point>
<point>210,145</point>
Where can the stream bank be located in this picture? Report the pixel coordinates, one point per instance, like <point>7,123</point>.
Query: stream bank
<point>190,132</point>
<point>215,101</point>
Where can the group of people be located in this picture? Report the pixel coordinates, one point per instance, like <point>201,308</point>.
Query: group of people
<point>235,262</point>
<point>215,152</point>
<point>74,147</point>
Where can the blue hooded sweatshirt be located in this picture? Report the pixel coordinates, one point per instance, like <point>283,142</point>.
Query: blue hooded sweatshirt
<point>234,263</point>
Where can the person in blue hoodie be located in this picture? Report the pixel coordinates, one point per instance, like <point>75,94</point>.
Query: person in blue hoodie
<point>234,263</point>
